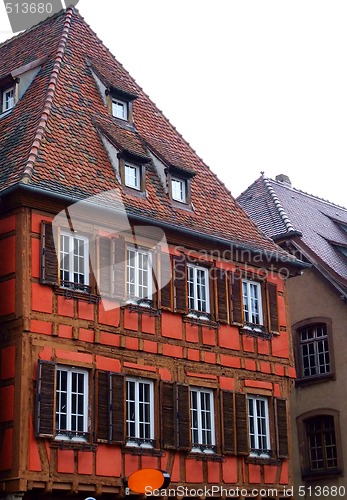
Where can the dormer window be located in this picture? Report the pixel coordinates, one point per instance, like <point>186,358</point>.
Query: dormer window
<point>120,103</point>
<point>132,170</point>
<point>178,189</point>
<point>119,109</point>
<point>179,186</point>
<point>7,99</point>
<point>132,176</point>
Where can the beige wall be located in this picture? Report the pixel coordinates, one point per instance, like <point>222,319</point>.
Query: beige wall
<point>310,295</point>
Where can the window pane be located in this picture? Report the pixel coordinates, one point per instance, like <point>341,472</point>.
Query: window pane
<point>191,292</point>
<point>8,99</point>
<point>178,190</point>
<point>322,442</point>
<point>131,274</point>
<point>119,109</point>
<point>201,409</point>
<point>198,289</point>
<point>71,397</point>
<point>314,351</point>
<point>258,424</point>
<point>139,410</point>
<point>251,297</point>
<point>132,176</point>
<point>138,274</point>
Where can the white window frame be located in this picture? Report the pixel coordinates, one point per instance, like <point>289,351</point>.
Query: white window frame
<point>10,101</point>
<point>254,423</point>
<point>116,104</point>
<point>138,440</point>
<point>250,301</point>
<point>194,303</point>
<point>136,283</point>
<point>202,428</point>
<point>70,253</point>
<point>182,196</point>
<point>70,434</point>
<point>132,181</point>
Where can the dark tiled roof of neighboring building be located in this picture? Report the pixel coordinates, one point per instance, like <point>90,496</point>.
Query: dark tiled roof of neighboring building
<point>51,139</point>
<point>280,209</point>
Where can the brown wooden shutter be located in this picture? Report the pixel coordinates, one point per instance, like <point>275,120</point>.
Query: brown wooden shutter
<point>180,277</point>
<point>236,297</point>
<point>117,408</point>
<point>49,260</point>
<point>166,290</point>
<point>273,309</point>
<point>45,397</point>
<point>222,295</point>
<point>103,406</point>
<point>168,415</point>
<point>110,411</point>
<point>242,438</point>
<point>281,427</point>
<point>184,431</point>
<point>228,422</point>
<point>105,266</point>
<point>120,258</point>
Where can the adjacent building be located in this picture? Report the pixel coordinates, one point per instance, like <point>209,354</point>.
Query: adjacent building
<point>143,314</point>
<point>314,230</point>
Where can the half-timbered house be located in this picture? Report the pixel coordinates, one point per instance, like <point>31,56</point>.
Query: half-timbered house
<point>143,314</point>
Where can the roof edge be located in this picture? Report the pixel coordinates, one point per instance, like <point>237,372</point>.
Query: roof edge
<point>281,212</point>
<point>325,270</point>
<point>286,236</point>
<point>40,131</point>
<point>269,256</point>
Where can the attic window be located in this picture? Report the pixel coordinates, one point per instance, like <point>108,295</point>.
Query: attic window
<point>8,99</point>
<point>119,109</point>
<point>179,186</point>
<point>132,176</point>
<point>120,103</point>
<point>179,189</point>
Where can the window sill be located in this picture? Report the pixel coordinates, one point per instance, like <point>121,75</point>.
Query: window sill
<point>203,319</point>
<point>134,192</point>
<point>321,474</point>
<point>69,293</point>
<point>254,330</point>
<point>124,123</point>
<point>201,456</point>
<point>67,444</point>
<point>143,451</point>
<point>318,379</point>
<point>3,114</point>
<point>142,306</point>
<point>268,460</point>
<point>182,205</point>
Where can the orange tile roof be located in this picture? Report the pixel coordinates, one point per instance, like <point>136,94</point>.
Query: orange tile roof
<point>51,139</point>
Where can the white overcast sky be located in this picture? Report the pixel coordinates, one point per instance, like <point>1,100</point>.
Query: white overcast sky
<point>252,85</point>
